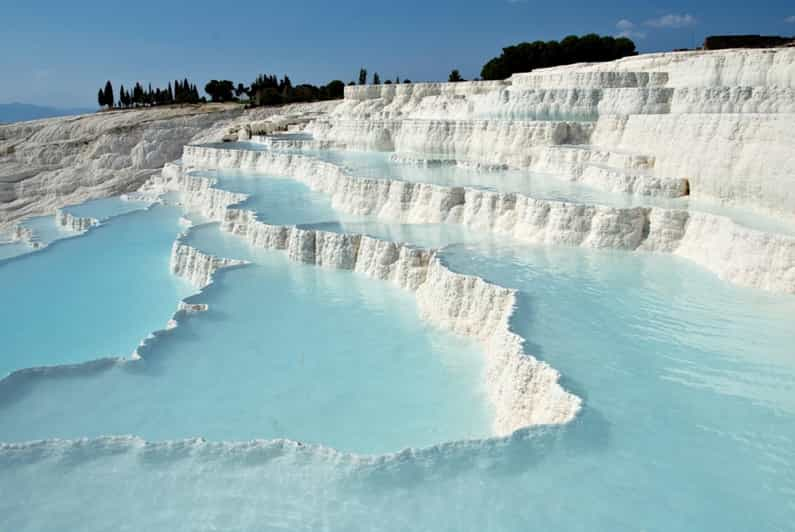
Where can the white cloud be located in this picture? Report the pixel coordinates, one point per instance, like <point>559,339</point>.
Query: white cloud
<point>625,24</point>
<point>672,20</point>
<point>627,29</point>
<point>790,20</point>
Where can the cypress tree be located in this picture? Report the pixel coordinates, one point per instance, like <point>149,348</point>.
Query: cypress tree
<point>108,94</point>
<point>101,98</point>
<point>138,94</point>
<point>376,79</point>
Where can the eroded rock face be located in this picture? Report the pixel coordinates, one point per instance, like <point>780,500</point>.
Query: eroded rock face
<point>51,163</point>
<point>55,162</point>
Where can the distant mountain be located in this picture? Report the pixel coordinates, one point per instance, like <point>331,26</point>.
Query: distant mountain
<point>18,112</point>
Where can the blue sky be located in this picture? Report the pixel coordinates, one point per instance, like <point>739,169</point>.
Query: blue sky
<point>58,52</point>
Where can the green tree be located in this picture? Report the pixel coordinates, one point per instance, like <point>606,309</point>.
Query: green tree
<point>362,76</point>
<point>220,91</point>
<point>108,94</point>
<point>335,89</point>
<point>376,79</point>
<point>101,98</point>
<point>268,96</point>
<point>526,56</point>
<point>138,94</point>
<point>455,76</point>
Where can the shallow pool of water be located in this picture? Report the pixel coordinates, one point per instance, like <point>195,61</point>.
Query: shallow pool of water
<point>91,296</point>
<point>284,201</point>
<point>540,186</point>
<point>286,350</point>
<point>688,420</point>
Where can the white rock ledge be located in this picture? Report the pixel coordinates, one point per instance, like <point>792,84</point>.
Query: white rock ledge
<point>721,121</point>
<point>523,390</point>
<point>735,253</point>
<point>74,223</point>
<point>197,267</point>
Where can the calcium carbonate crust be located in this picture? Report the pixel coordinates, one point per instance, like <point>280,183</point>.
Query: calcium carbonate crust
<point>735,253</point>
<point>713,125</point>
<point>76,224</point>
<point>594,115</point>
<point>523,390</point>
<point>48,164</point>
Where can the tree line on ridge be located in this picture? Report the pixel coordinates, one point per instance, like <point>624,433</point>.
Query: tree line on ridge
<point>268,89</point>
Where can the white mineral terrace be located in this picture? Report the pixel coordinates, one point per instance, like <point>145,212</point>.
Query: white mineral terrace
<point>718,122</point>
<point>736,253</point>
<point>709,125</point>
<point>523,390</point>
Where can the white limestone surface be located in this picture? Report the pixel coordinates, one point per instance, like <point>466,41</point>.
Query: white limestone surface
<point>76,224</point>
<point>740,255</point>
<point>523,390</point>
<point>704,68</point>
<point>51,163</point>
<point>48,164</point>
<point>710,124</point>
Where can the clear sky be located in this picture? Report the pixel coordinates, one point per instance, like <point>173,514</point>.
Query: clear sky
<point>59,52</point>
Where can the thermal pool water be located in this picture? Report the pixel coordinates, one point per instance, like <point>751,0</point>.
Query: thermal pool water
<point>92,296</point>
<point>313,398</point>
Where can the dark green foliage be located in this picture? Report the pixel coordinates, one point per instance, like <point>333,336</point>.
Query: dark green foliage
<point>455,76</point>
<point>362,76</point>
<point>264,90</point>
<point>376,79</point>
<point>526,56</point>
<point>335,89</point>
<point>268,96</point>
<point>719,42</point>
<point>220,91</point>
<point>122,97</point>
<point>268,89</point>
<point>182,92</point>
<point>241,89</point>
<point>108,94</point>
